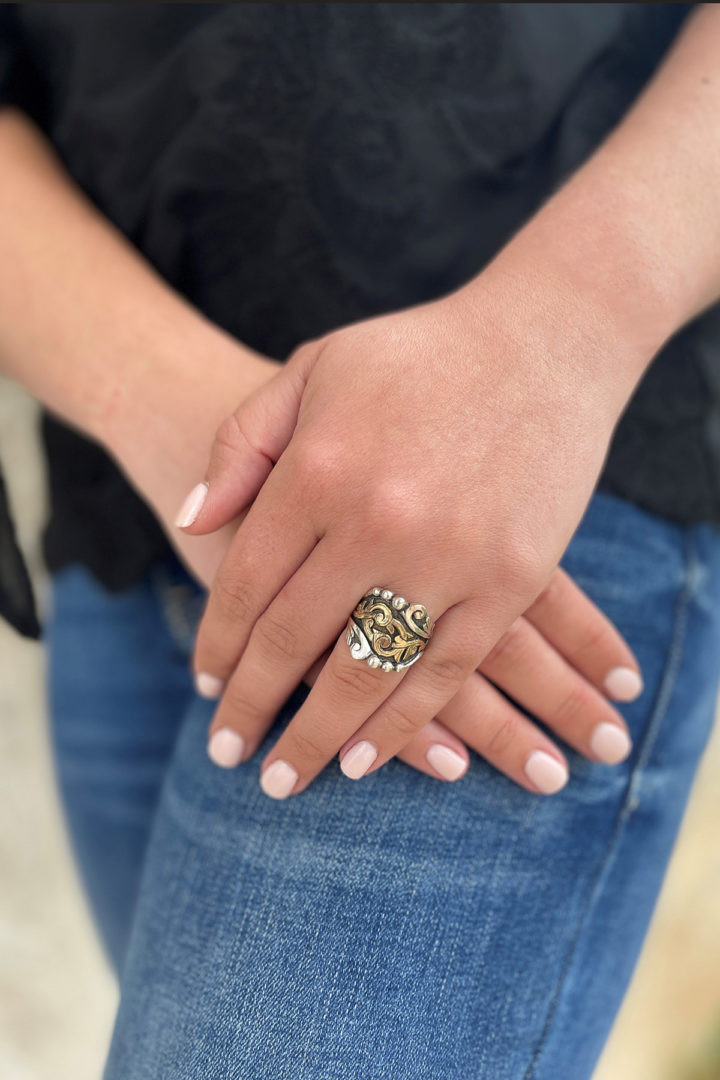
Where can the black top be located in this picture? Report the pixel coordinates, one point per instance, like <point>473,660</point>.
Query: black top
<point>294,167</point>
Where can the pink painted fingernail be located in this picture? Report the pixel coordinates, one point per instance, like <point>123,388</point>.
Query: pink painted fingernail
<point>356,762</point>
<point>225,748</point>
<point>623,684</point>
<point>208,686</point>
<point>610,743</point>
<point>446,761</point>
<point>192,506</point>
<point>278,779</point>
<point>546,772</point>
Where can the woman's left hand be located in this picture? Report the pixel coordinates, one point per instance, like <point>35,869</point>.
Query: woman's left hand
<point>446,452</point>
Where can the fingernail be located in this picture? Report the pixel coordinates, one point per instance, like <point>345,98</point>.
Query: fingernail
<point>623,684</point>
<point>278,780</point>
<point>192,506</point>
<point>610,743</point>
<point>208,686</point>
<point>225,748</point>
<point>358,759</point>
<point>446,761</point>
<point>546,772</point>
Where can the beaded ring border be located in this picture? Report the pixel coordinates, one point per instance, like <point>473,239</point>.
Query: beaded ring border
<point>388,632</point>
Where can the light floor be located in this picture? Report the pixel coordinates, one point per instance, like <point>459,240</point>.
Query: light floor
<point>56,996</point>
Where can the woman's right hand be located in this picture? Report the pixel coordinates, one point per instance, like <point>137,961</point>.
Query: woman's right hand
<point>553,661</point>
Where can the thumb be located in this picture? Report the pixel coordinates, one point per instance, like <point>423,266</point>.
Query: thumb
<point>246,446</point>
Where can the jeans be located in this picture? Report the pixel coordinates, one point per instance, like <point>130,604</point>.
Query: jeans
<point>396,927</point>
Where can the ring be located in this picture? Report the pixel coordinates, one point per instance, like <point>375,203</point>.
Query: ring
<point>388,632</point>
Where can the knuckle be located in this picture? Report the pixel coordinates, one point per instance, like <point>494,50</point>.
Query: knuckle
<point>554,591</point>
<point>316,462</point>
<point>596,637</point>
<point>236,703</point>
<point>393,499</point>
<point>356,680</point>
<point>276,639</point>
<point>403,722</point>
<point>504,735</point>
<point>232,599</point>
<point>307,747</point>
<point>229,436</point>
<point>519,567</point>
<point>444,671</point>
<point>509,649</point>
<point>573,704</point>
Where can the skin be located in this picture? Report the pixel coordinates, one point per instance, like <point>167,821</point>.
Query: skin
<point>127,361</point>
<point>124,359</point>
<point>363,438</point>
<point>474,536</point>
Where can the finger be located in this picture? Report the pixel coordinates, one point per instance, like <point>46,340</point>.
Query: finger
<point>488,723</point>
<point>346,692</point>
<point>485,721</point>
<point>310,676</point>
<point>434,750</point>
<point>274,539</point>
<point>571,622</point>
<point>536,676</point>
<point>288,636</point>
<point>247,446</point>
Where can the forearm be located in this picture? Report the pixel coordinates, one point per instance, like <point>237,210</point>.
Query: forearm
<point>85,322</point>
<point>631,243</point>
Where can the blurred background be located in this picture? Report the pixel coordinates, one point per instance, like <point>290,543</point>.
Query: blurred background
<point>57,996</point>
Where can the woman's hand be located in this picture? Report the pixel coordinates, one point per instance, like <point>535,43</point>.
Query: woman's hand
<point>560,650</point>
<point>446,452</point>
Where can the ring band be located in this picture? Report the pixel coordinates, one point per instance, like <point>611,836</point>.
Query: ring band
<point>387,632</point>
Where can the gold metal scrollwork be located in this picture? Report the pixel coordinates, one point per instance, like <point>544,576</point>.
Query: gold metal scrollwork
<point>388,632</point>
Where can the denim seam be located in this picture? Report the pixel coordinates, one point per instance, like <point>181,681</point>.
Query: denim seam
<point>629,803</point>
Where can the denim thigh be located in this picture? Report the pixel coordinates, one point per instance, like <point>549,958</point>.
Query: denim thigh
<point>400,927</point>
<point>118,685</point>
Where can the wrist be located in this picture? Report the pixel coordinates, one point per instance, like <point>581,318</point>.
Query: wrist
<point>159,420</point>
<point>584,274</point>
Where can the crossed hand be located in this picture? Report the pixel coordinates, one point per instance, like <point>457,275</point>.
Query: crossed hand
<point>447,459</point>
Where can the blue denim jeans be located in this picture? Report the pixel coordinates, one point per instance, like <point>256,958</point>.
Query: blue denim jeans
<point>393,928</point>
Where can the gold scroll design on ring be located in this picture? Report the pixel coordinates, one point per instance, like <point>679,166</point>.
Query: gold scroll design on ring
<point>393,635</point>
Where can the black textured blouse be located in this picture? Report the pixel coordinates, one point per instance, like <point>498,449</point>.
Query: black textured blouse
<point>294,167</point>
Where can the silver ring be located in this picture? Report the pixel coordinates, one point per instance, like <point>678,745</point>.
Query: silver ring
<point>387,632</point>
